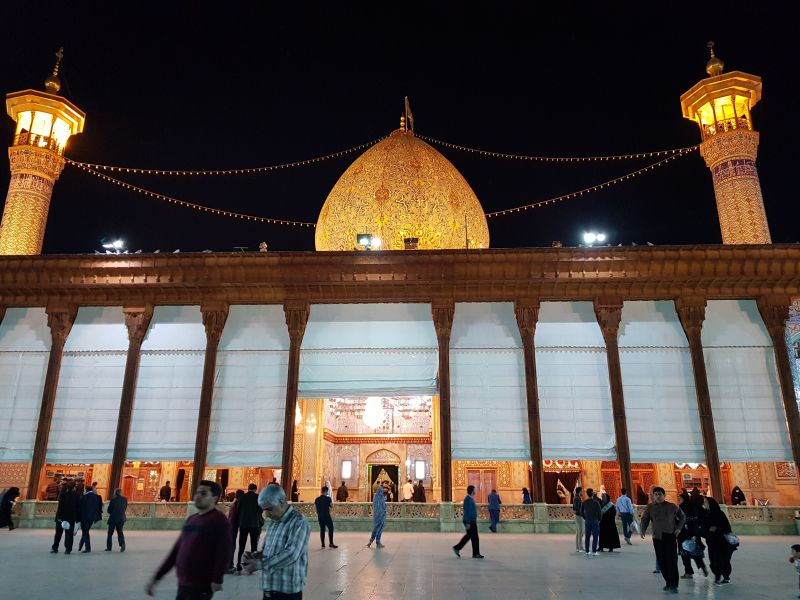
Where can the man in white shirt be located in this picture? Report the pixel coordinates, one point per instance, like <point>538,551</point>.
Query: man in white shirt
<point>408,491</point>
<point>625,510</point>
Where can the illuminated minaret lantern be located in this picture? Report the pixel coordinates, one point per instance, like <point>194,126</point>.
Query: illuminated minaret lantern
<point>45,121</point>
<point>721,105</point>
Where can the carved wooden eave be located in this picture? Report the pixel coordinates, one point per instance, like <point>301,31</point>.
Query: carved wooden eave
<point>642,272</point>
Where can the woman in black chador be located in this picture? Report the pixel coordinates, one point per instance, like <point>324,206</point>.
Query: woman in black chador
<point>715,526</point>
<point>737,496</point>
<point>609,536</point>
<point>6,506</point>
<point>691,531</point>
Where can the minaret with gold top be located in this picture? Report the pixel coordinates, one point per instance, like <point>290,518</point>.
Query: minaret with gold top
<point>45,121</point>
<point>721,105</point>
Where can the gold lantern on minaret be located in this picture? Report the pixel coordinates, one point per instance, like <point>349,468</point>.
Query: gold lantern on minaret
<point>721,105</point>
<point>45,121</point>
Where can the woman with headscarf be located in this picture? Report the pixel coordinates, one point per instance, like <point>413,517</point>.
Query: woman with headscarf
<point>378,517</point>
<point>737,496</point>
<point>6,506</point>
<point>691,531</point>
<point>233,519</point>
<point>609,536</point>
<point>715,526</point>
<point>295,497</point>
<point>526,496</point>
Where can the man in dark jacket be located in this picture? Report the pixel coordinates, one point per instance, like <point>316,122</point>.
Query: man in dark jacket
<point>116,519</point>
<point>90,511</point>
<point>342,494</point>
<point>66,512</point>
<point>470,520</point>
<point>592,511</point>
<point>165,493</point>
<point>323,505</point>
<point>250,522</point>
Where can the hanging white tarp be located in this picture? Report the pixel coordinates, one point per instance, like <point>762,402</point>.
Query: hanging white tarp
<point>89,387</point>
<point>24,352</point>
<point>489,416</point>
<point>572,372</point>
<point>250,389</point>
<point>749,419</point>
<point>368,350</point>
<point>658,384</point>
<point>165,410</point>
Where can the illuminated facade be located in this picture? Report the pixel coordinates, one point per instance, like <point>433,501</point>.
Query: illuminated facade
<point>45,122</point>
<point>721,106</point>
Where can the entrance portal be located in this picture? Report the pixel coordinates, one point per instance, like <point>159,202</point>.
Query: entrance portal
<point>386,476</point>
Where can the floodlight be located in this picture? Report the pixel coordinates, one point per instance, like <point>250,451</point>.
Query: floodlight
<point>589,238</point>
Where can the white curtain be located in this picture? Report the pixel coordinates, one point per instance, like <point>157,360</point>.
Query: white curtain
<point>86,409</point>
<point>248,409</point>
<point>749,419</point>
<point>164,422</point>
<point>343,373</point>
<point>21,384</point>
<point>489,414</point>
<point>658,384</point>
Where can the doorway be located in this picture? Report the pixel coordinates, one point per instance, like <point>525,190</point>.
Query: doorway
<point>383,475</point>
<point>484,481</point>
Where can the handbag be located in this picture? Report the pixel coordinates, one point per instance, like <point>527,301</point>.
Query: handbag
<point>732,539</point>
<point>634,527</point>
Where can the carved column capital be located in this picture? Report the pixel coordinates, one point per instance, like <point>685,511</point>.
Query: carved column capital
<point>775,312</point>
<point>527,313</point>
<point>214,317</point>
<point>60,320</point>
<point>691,313</point>
<point>296,313</point>
<point>609,314</point>
<point>137,322</point>
<point>442,312</point>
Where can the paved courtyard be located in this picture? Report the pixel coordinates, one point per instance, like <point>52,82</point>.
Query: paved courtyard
<point>413,566</point>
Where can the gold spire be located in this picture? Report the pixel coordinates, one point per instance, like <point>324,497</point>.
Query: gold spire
<point>409,116</point>
<point>715,65</point>
<point>52,84</point>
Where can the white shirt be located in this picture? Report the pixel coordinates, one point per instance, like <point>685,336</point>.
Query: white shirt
<point>408,491</point>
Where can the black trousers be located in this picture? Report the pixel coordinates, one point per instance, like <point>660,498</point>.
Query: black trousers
<point>283,596</point>
<point>244,532</point>
<point>234,533</point>
<point>719,555</point>
<point>472,536</point>
<point>120,535</point>
<point>667,556</point>
<point>323,523</point>
<point>85,539</point>
<point>67,536</point>
<point>186,593</point>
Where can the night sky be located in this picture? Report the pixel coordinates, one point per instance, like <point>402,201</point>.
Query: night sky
<point>249,84</point>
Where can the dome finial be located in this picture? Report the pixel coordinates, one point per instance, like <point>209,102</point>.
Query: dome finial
<point>409,116</point>
<point>715,65</point>
<point>52,84</point>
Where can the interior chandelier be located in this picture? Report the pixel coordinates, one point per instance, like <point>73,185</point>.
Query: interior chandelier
<point>373,412</point>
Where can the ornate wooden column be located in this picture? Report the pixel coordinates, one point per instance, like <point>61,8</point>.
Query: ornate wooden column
<point>527,312</point>
<point>692,313</point>
<point>137,320</point>
<point>2,313</point>
<point>59,320</point>
<point>775,312</point>
<point>296,313</point>
<point>214,318</point>
<point>609,313</point>
<point>443,312</point>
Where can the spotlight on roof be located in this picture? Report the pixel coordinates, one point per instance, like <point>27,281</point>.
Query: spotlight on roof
<point>590,238</point>
<point>364,240</point>
<point>375,243</point>
<point>113,246</point>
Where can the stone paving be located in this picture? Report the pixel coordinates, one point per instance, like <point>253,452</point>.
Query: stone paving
<point>412,566</point>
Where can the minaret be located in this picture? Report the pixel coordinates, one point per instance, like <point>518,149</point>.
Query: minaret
<point>721,105</point>
<point>45,121</point>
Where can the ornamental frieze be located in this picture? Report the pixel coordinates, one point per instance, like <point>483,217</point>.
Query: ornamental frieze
<point>29,182</point>
<point>724,146</point>
<point>738,167</point>
<point>25,159</point>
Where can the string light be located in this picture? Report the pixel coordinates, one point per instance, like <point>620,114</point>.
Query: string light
<point>534,158</point>
<point>594,188</point>
<point>184,203</point>
<point>247,171</point>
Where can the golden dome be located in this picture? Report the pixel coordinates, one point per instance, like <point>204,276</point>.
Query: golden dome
<point>402,188</point>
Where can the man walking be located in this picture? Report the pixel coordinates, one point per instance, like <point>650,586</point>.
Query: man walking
<point>342,494</point>
<point>250,522</point>
<point>116,519</point>
<point>202,551</point>
<point>90,509</point>
<point>668,520</point>
<point>283,561</point>
<point>323,505</point>
<point>470,524</point>
<point>577,508</point>
<point>165,493</point>
<point>592,512</point>
<point>408,491</point>
<point>66,514</point>
<point>494,510</point>
<point>625,510</point>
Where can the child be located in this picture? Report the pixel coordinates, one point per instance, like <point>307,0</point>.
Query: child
<point>795,558</point>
